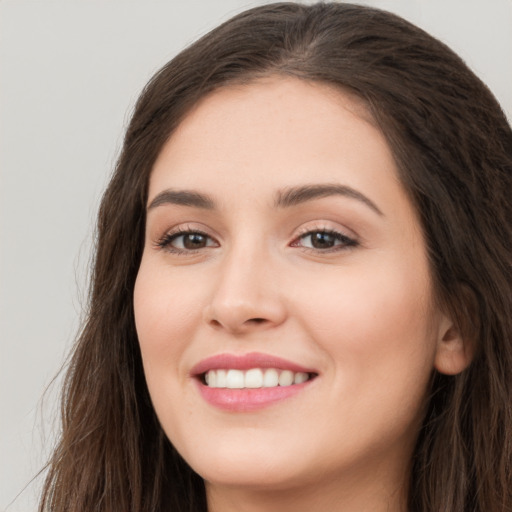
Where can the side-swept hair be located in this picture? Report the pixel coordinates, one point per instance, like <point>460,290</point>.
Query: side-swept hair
<point>453,148</point>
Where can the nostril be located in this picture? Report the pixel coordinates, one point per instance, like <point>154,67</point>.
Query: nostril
<point>246,323</point>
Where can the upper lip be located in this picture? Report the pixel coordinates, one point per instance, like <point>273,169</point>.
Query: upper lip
<point>246,362</point>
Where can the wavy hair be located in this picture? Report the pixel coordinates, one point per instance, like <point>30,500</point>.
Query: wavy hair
<point>453,148</point>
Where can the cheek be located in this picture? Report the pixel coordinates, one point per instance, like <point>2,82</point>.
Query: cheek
<point>164,315</point>
<point>376,331</point>
<point>375,325</point>
<point>164,308</point>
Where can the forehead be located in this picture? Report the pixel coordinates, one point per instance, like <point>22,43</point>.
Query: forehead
<point>270,128</point>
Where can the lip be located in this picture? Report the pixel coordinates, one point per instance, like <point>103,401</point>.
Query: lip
<point>246,362</point>
<point>247,400</point>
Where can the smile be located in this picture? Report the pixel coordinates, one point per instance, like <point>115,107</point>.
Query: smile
<point>253,378</point>
<point>247,382</point>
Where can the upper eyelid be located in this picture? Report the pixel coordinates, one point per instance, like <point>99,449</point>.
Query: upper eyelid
<point>179,230</point>
<point>343,238</point>
<point>301,231</point>
<point>323,230</point>
<point>175,236</point>
<point>324,226</point>
<point>184,228</point>
<point>165,242</point>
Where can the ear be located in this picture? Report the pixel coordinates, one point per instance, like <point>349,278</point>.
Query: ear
<point>453,352</point>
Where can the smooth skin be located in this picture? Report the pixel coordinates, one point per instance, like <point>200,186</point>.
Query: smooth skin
<point>337,281</point>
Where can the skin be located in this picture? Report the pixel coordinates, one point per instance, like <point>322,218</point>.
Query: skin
<point>361,314</point>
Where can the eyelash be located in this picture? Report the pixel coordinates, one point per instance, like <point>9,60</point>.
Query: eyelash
<point>345,242</point>
<point>166,241</point>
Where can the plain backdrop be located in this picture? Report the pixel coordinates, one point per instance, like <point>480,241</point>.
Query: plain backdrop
<point>70,73</point>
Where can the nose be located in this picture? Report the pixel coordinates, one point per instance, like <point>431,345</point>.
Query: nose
<point>246,296</point>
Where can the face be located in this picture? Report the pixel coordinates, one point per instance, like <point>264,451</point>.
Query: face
<point>283,304</point>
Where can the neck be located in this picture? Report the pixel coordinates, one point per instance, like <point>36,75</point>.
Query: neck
<point>348,493</point>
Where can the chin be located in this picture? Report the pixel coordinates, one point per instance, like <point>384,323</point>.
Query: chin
<point>247,465</point>
<point>254,477</point>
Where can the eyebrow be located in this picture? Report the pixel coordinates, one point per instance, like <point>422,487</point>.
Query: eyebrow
<point>183,198</point>
<point>284,199</point>
<point>297,195</point>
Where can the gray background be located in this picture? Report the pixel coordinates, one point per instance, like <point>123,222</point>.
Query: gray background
<point>70,73</point>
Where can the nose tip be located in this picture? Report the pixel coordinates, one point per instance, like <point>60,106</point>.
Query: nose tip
<point>245,300</point>
<point>240,318</point>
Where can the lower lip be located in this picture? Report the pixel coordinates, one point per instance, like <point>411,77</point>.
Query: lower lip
<point>244,400</point>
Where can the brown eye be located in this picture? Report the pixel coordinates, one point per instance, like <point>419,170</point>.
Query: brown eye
<point>325,240</point>
<point>184,241</point>
<point>322,240</point>
<point>193,241</point>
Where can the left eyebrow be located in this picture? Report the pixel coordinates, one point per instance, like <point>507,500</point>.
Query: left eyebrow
<point>183,198</point>
<point>297,195</point>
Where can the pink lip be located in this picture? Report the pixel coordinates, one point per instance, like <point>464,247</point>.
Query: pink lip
<point>246,400</point>
<point>246,362</point>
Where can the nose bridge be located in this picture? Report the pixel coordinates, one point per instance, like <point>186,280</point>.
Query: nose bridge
<point>245,293</point>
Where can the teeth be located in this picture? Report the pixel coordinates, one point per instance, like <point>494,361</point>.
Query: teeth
<point>234,379</point>
<point>299,378</point>
<point>271,378</point>
<point>221,378</point>
<point>253,378</point>
<point>286,378</point>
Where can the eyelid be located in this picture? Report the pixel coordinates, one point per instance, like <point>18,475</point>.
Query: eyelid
<point>345,237</point>
<point>326,226</point>
<point>348,240</point>
<point>164,242</point>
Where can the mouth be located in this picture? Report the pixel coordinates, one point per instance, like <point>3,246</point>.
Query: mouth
<point>241,383</point>
<point>254,378</point>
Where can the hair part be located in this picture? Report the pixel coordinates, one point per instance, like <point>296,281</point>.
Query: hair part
<point>453,148</point>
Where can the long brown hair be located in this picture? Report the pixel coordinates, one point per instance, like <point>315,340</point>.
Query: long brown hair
<point>453,147</point>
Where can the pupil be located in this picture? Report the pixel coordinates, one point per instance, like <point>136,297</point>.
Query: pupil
<point>194,241</point>
<point>322,240</point>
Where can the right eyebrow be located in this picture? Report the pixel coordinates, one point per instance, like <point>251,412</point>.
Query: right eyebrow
<point>297,195</point>
<point>183,198</point>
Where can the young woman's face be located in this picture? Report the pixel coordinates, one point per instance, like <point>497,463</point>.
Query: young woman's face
<point>283,304</point>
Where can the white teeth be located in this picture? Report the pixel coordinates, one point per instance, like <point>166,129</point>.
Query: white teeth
<point>271,378</point>
<point>211,379</point>
<point>253,378</point>
<point>286,378</point>
<point>235,379</point>
<point>299,378</point>
<point>221,378</point>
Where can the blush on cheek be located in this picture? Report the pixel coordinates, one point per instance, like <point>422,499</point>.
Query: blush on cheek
<point>368,320</point>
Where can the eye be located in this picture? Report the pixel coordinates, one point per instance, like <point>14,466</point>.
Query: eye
<point>324,240</point>
<point>186,241</point>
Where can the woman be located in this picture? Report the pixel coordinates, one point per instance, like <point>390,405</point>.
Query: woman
<point>302,288</point>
